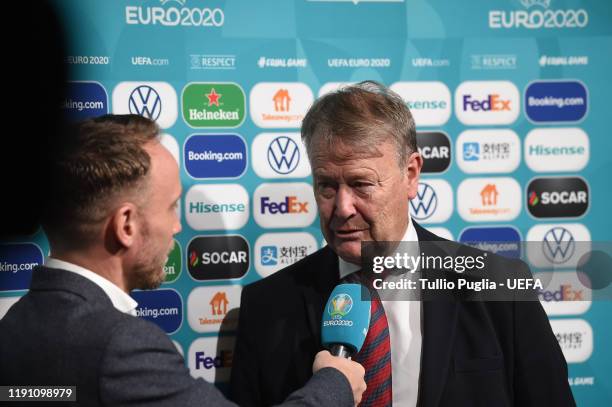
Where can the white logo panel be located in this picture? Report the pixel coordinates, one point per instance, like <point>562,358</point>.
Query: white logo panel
<point>217,207</point>
<point>171,145</point>
<point>575,336</point>
<point>487,102</point>
<point>564,293</point>
<point>489,199</point>
<point>560,245</point>
<point>280,155</point>
<point>429,102</point>
<point>154,100</point>
<point>211,358</point>
<point>214,308</point>
<point>557,149</point>
<point>280,104</point>
<point>488,151</point>
<point>433,202</point>
<point>274,251</point>
<point>284,205</point>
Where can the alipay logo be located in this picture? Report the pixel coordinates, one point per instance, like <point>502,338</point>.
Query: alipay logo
<point>488,151</point>
<point>274,251</point>
<point>269,255</point>
<point>471,152</point>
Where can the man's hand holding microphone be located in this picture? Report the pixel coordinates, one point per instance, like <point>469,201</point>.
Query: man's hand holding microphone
<point>345,323</point>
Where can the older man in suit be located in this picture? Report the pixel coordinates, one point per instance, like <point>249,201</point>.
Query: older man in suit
<point>110,218</point>
<point>361,142</point>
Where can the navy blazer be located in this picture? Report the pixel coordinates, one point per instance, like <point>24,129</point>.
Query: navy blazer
<point>65,331</point>
<point>474,353</point>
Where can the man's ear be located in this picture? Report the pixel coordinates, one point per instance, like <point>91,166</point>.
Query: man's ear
<point>414,163</point>
<point>124,223</point>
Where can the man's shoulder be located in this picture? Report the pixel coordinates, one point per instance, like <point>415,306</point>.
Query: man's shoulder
<point>300,273</point>
<point>297,271</point>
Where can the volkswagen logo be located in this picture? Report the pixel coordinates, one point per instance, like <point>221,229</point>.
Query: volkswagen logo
<point>283,155</point>
<point>145,101</point>
<point>425,202</point>
<point>558,245</point>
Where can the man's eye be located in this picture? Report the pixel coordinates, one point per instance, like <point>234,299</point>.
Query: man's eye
<point>363,185</point>
<point>325,188</point>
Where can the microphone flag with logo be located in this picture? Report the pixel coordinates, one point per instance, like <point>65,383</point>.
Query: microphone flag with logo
<point>346,319</point>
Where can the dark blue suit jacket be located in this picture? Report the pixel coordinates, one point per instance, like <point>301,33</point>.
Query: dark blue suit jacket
<point>475,353</point>
<point>65,331</point>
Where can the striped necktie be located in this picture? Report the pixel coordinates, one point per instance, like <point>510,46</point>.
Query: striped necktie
<point>375,354</point>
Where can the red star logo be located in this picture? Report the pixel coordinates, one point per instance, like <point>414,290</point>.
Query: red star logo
<point>213,97</point>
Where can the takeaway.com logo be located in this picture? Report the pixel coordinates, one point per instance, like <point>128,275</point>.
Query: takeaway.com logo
<point>280,104</point>
<point>487,102</point>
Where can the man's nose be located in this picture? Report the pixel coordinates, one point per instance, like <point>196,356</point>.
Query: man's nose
<point>177,226</point>
<point>345,203</point>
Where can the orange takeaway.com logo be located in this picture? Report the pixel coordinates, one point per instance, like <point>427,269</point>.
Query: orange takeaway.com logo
<point>282,100</point>
<point>219,303</point>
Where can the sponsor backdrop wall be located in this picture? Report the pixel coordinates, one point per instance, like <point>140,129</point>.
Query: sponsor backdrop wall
<point>511,101</point>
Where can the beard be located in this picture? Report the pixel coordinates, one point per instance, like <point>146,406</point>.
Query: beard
<point>148,271</point>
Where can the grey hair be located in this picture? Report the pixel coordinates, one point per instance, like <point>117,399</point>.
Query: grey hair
<point>361,116</point>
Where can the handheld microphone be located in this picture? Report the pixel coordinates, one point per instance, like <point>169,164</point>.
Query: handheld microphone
<point>346,319</point>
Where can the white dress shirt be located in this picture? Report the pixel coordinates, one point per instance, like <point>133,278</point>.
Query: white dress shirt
<point>404,318</point>
<point>120,299</point>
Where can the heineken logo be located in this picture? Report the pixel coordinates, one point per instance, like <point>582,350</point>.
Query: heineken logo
<point>213,105</point>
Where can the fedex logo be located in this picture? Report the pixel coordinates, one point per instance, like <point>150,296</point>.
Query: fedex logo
<point>293,200</point>
<point>566,292</point>
<point>290,204</point>
<point>211,358</point>
<point>224,359</point>
<point>493,102</point>
<point>487,102</point>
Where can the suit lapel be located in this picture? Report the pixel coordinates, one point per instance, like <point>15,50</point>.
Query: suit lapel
<point>316,287</point>
<point>316,283</point>
<point>439,326</point>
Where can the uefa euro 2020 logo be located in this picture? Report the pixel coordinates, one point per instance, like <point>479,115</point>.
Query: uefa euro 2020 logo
<point>340,306</point>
